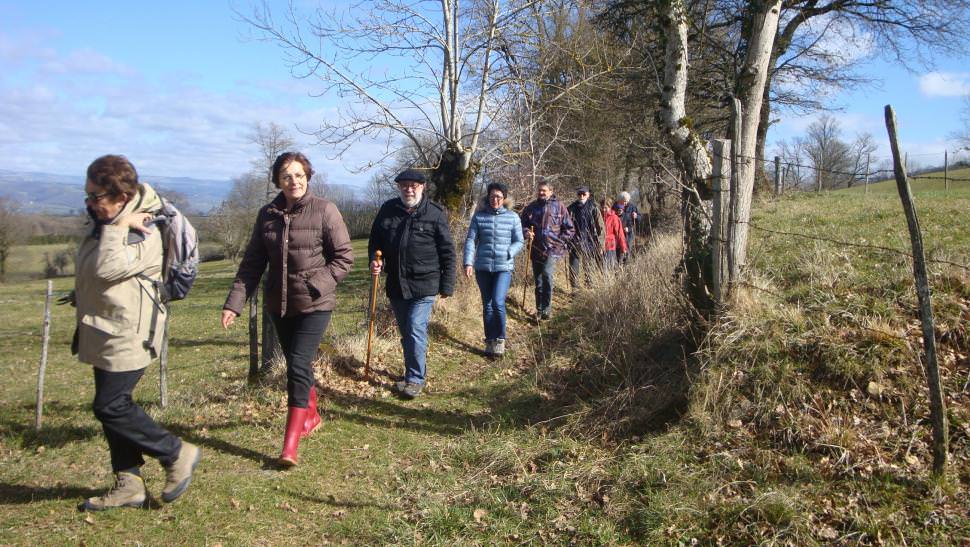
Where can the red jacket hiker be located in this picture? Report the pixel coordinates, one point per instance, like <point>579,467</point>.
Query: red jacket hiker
<point>614,233</point>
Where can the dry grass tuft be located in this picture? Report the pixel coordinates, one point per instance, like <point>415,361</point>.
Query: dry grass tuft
<point>617,363</point>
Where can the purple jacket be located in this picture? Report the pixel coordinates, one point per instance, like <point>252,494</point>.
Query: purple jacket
<point>552,225</point>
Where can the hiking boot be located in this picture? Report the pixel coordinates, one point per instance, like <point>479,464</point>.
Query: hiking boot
<point>499,348</point>
<point>128,491</point>
<point>411,390</point>
<point>179,474</point>
<point>489,347</point>
<point>544,316</point>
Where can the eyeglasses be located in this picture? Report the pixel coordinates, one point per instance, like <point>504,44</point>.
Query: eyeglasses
<point>291,178</point>
<point>94,198</point>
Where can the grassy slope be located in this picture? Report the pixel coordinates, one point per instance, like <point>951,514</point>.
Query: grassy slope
<point>784,439</point>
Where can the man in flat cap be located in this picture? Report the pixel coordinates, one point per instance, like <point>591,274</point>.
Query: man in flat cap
<point>411,231</point>
<point>587,245</point>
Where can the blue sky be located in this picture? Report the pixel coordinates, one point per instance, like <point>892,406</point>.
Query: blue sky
<point>177,87</point>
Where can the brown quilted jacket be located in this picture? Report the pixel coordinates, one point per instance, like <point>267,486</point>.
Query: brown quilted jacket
<point>308,251</point>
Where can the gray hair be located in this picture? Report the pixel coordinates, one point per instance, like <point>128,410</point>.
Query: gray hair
<point>623,196</point>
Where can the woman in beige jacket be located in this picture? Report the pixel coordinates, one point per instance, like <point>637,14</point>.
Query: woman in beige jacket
<point>120,325</point>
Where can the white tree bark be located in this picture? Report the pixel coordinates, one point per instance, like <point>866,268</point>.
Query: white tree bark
<point>751,86</point>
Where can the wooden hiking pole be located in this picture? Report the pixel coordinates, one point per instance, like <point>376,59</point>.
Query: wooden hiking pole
<point>373,311</point>
<point>528,259</point>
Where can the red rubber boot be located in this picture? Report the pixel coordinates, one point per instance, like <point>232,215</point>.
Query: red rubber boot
<point>295,419</point>
<point>312,416</point>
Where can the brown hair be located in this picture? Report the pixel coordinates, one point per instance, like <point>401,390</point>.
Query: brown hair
<point>115,174</point>
<point>606,202</point>
<point>285,159</point>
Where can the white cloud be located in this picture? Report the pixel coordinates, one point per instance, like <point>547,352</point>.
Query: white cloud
<point>945,84</point>
<point>53,120</point>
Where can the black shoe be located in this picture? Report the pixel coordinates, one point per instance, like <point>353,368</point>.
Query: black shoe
<point>544,316</point>
<point>410,390</point>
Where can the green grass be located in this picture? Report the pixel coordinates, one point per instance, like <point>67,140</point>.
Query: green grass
<point>957,179</point>
<point>780,439</point>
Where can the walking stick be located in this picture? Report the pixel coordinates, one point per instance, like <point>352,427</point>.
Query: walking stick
<point>373,311</point>
<point>528,259</point>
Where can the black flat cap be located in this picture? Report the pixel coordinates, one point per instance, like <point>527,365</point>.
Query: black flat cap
<point>412,175</point>
<point>582,190</point>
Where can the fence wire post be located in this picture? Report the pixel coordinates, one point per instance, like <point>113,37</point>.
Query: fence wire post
<point>39,413</point>
<point>937,403</point>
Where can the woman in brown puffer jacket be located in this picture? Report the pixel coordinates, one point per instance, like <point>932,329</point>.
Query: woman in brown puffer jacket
<point>304,240</point>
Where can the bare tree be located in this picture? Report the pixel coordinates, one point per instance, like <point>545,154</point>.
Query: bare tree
<point>437,81</point>
<point>690,148</point>
<point>232,221</point>
<point>11,232</point>
<point>272,140</point>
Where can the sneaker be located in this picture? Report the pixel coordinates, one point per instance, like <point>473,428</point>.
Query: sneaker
<point>499,347</point>
<point>179,474</point>
<point>411,390</point>
<point>128,491</point>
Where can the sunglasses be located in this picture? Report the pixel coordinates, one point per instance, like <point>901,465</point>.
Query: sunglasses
<point>94,198</point>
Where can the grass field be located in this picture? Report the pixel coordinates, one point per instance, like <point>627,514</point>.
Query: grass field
<point>799,419</point>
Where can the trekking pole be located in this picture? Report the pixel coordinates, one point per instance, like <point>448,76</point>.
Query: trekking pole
<point>373,312</point>
<point>528,259</point>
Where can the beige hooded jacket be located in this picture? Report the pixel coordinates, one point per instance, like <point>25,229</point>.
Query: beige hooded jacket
<point>120,318</point>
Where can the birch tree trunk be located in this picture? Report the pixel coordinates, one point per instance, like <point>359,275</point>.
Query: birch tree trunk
<point>751,91</point>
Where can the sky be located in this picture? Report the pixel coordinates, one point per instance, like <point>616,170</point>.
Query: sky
<point>178,86</point>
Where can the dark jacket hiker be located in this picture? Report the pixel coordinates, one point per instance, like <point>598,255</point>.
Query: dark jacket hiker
<point>418,252</point>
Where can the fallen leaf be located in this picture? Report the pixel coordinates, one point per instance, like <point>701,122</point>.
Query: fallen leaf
<point>734,424</point>
<point>234,502</point>
<point>827,532</point>
<point>479,515</point>
<point>89,519</point>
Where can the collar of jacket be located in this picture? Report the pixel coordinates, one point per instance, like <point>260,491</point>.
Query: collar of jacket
<point>419,208</point>
<point>146,200</point>
<point>278,205</point>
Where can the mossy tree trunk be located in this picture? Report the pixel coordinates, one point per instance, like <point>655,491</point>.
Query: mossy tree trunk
<point>453,179</point>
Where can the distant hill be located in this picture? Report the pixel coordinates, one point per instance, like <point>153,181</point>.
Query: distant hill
<point>64,194</point>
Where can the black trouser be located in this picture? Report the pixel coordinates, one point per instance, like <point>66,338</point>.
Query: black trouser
<point>581,258</point>
<point>129,430</point>
<point>299,337</point>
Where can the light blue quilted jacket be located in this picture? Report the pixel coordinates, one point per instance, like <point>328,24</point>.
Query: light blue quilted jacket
<point>494,238</point>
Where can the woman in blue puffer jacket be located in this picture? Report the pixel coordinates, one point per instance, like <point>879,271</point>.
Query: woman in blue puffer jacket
<point>494,238</point>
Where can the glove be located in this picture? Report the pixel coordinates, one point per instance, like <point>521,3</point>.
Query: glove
<point>69,298</point>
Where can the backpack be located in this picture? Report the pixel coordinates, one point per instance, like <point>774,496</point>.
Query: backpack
<point>180,252</point>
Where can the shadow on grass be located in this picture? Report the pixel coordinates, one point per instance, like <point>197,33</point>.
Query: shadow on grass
<point>332,501</point>
<point>220,445</point>
<point>186,343</point>
<point>393,414</point>
<point>21,494</point>
<point>50,435</point>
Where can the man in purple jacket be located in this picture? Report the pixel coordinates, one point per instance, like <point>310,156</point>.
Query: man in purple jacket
<point>547,220</point>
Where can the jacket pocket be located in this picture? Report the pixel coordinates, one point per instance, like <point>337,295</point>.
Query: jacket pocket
<point>106,325</point>
<point>321,283</point>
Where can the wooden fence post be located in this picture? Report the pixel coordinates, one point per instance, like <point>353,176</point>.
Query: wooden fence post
<point>720,182</point>
<point>868,158</point>
<point>937,404</point>
<point>39,413</point>
<point>163,363</point>
<point>734,211</point>
<point>777,175</point>
<point>946,170</point>
<point>253,338</point>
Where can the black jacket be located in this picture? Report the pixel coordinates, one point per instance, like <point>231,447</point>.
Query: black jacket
<point>418,253</point>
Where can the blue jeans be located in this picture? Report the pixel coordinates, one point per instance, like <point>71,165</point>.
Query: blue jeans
<point>412,322</point>
<point>494,286</point>
<point>544,270</point>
